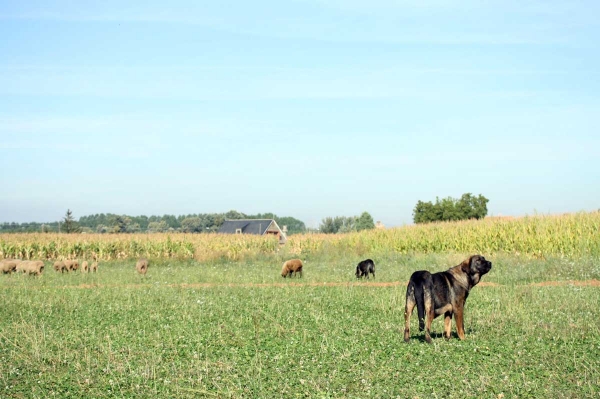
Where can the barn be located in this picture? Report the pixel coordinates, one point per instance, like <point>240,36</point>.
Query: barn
<point>254,226</point>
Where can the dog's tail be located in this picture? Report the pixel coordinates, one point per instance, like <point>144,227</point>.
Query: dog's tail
<point>420,300</point>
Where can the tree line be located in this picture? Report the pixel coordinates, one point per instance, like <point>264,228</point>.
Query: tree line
<point>113,223</point>
<point>466,207</point>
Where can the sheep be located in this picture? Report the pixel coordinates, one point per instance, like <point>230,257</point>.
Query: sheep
<point>60,266</point>
<point>364,268</point>
<point>8,265</point>
<point>84,267</point>
<point>94,267</point>
<point>31,267</point>
<point>72,265</point>
<point>292,266</point>
<point>142,266</point>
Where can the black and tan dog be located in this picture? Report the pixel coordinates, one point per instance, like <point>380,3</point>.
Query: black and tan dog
<point>364,268</point>
<point>443,293</point>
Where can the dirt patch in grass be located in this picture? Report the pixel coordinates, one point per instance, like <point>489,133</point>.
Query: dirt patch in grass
<point>577,283</point>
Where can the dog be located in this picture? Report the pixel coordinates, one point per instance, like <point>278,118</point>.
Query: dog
<point>443,293</point>
<point>292,266</point>
<point>364,268</point>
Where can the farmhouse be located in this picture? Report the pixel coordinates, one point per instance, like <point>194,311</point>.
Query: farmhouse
<point>254,226</point>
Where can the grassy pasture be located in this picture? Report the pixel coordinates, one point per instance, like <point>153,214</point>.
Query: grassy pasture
<point>234,329</point>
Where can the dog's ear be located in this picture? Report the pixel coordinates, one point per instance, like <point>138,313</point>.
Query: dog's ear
<point>466,265</point>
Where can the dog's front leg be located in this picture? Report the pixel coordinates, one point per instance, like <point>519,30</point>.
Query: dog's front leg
<point>460,322</point>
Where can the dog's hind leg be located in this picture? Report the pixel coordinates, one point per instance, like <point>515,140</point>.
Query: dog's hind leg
<point>429,314</point>
<point>447,324</point>
<point>408,309</point>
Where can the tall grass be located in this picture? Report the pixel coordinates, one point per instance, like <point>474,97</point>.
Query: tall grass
<point>573,235</point>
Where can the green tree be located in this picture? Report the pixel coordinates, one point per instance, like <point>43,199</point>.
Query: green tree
<point>450,209</point>
<point>235,215</point>
<point>69,223</point>
<point>158,227</point>
<point>192,225</point>
<point>331,225</point>
<point>133,227</point>
<point>365,222</point>
<point>119,223</point>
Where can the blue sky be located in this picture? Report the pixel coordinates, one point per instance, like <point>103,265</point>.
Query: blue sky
<point>306,108</point>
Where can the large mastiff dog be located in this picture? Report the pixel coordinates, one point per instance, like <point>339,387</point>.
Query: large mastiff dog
<point>443,293</point>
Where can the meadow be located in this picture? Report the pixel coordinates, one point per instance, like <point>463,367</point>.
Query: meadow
<point>230,327</point>
<point>234,329</point>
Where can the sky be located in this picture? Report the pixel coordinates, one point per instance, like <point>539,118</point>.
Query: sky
<point>306,108</point>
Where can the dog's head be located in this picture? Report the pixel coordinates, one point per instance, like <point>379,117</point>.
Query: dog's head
<point>475,267</point>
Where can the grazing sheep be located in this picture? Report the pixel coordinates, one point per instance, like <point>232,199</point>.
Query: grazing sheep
<point>94,267</point>
<point>142,266</point>
<point>292,266</point>
<point>8,266</point>
<point>72,265</point>
<point>364,268</point>
<point>84,267</point>
<point>31,267</point>
<point>60,266</point>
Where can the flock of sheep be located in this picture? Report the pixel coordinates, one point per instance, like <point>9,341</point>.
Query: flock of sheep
<point>292,267</point>
<point>36,267</point>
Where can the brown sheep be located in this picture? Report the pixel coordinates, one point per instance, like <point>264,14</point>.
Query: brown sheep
<point>292,266</point>
<point>72,265</point>
<point>142,266</point>
<point>60,266</point>
<point>31,267</point>
<point>94,267</point>
<point>8,266</point>
<point>84,267</point>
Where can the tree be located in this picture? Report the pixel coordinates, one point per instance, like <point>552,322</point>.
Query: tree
<point>192,225</point>
<point>119,224</point>
<point>424,212</point>
<point>365,222</point>
<point>331,225</point>
<point>346,224</point>
<point>133,227</point>
<point>157,227</point>
<point>450,209</point>
<point>235,215</point>
<point>69,223</point>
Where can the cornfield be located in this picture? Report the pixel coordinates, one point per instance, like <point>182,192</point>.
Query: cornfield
<point>572,235</point>
<point>127,246</point>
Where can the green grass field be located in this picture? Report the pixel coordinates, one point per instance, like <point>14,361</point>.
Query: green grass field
<point>226,330</point>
